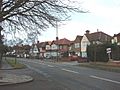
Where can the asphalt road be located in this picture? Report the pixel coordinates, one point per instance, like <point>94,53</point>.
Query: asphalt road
<point>64,76</point>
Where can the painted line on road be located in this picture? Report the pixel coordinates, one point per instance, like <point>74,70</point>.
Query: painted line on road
<point>70,71</point>
<point>38,71</point>
<point>50,66</point>
<point>105,79</point>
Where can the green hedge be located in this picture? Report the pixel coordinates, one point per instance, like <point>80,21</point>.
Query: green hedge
<point>99,53</point>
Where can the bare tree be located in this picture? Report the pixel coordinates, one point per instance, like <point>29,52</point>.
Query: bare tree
<point>33,15</point>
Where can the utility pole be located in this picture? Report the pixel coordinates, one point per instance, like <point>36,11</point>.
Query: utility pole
<point>95,53</point>
<point>57,40</point>
<point>0,32</point>
<point>0,46</point>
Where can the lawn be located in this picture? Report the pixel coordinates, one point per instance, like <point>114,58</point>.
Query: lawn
<point>15,64</point>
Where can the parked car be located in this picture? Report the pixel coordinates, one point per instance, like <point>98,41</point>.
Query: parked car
<point>73,58</point>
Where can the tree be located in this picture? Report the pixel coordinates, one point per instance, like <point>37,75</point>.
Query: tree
<point>32,16</point>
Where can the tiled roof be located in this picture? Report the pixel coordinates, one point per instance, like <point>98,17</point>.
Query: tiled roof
<point>41,44</point>
<point>78,39</point>
<point>98,36</point>
<point>64,41</point>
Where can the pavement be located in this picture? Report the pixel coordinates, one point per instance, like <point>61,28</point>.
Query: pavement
<point>10,78</point>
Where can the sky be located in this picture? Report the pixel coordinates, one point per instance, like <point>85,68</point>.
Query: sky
<point>103,15</point>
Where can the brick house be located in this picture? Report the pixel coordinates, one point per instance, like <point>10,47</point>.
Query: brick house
<point>59,47</point>
<point>64,45</point>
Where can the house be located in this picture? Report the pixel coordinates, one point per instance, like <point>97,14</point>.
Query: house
<point>64,45</point>
<point>93,38</point>
<point>116,39</point>
<point>21,50</point>
<point>48,52</point>
<point>57,48</point>
<point>42,49</point>
<point>34,51</point>
<point>53,50</point>
<point>75,47</point>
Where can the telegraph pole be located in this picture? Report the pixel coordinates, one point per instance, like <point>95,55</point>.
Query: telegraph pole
<point>57,40</point>
<point>1,43</point>
<point>1,36</point>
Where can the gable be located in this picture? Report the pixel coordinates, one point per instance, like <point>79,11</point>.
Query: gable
<point>35,49</point>
<point>84,39</point>
<point>78,39</point>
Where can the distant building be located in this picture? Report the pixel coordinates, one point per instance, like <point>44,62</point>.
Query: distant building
<point>93,38</point>
<point>116,39</point>
<point>75,47</point>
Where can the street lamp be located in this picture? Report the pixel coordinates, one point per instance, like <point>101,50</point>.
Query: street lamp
<point>57,39</point>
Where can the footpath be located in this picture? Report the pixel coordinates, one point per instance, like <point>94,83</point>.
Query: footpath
<point>9,78</point>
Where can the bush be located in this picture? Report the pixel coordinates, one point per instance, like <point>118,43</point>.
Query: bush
<point>97,52</point>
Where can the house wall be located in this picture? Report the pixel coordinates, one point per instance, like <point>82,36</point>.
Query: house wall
<point>48,47</point>
<point>54,47</point>
<point>35,49</point>
<point>84,43</point>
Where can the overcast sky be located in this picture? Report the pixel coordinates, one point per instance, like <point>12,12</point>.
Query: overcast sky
<point>104,15</point>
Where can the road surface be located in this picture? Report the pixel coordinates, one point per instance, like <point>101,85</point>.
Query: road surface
<point>66,76</point>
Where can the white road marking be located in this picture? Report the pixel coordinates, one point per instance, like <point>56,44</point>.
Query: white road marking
<point>105,79</point>
<point>70,71</point>
<point>38,71</point>
<point>50,66</point>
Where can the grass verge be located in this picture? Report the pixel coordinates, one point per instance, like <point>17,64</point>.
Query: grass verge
<point>101,67</point>
<point>15,64</point>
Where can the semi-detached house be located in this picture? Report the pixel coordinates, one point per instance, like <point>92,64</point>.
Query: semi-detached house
<point>93,38</point>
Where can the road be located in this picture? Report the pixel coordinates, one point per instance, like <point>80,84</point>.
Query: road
<point>65,76</point>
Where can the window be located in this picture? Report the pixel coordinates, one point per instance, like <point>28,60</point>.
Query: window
<point>70,47</point>
<point>77,45</point>
<point>60,47</point>
<point>47,47</point>
<point>54,46</point>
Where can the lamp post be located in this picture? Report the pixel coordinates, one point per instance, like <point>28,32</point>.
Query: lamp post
<point>1,43</point>
<point>57,40</point>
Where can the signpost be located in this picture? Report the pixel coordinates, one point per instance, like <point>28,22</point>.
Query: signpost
<point>109,53</point>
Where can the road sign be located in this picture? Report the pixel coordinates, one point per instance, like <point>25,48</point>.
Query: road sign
<point>108,50</point>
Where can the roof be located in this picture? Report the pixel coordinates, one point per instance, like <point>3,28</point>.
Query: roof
<point>41,44</point>
<point>98,36</point>
<point>118,37</point>
<point>63,41</point>
<point>78,39</point>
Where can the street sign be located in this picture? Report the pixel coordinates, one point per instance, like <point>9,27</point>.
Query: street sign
<point>108,50</point>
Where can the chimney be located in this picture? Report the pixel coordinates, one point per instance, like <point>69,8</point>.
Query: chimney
<point>87,32</point>
<point>115,35</point>
<point>97,30</point>
<point>38,42</point>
